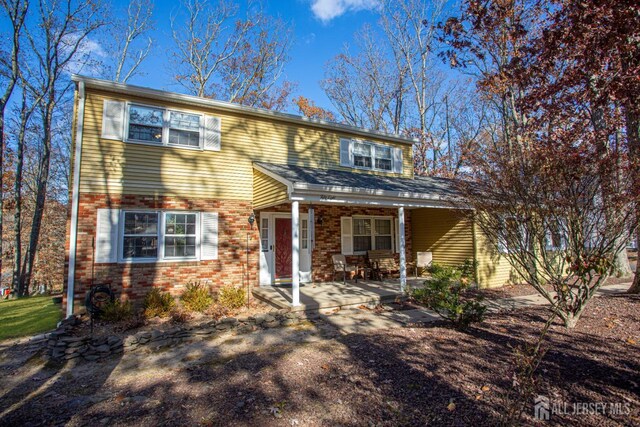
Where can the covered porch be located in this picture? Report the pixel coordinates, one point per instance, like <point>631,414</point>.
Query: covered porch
<point>306,216</point>
<point>314,296</point>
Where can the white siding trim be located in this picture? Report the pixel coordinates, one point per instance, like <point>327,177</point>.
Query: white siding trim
<point>75,195</point>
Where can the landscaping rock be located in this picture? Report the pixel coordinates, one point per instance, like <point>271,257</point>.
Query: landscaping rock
<point>245,329</point>
<point>223,326</point>
<point>130,341</point>
<point>71,339</point>
<point>38,338</point>
<point>289,322</point>
<point>104,348</point>
<point>229,320</point>
<point>202,332</point>
<point>272,324</point>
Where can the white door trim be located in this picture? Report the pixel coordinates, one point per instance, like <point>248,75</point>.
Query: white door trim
<point>267,265</point>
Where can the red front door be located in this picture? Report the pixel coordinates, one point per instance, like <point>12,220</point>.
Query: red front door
<point>283,248</point>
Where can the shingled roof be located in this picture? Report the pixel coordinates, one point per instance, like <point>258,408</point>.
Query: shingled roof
<point>427,186</point>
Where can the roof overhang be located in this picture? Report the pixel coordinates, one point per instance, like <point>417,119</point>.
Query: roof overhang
<point>346,195</point>
<point>132,90</point>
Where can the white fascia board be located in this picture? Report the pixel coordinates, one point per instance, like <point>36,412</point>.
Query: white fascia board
<point>389,202</point>
<point>132,90</point>
<point>332,189</point>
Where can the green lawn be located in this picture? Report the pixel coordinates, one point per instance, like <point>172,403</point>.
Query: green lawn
<point>28,316</point>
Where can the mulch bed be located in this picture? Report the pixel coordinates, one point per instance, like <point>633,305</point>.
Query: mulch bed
<point>406,376</point>
<point>510,291</point>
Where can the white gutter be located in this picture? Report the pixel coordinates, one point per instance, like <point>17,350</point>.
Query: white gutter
<point>131,90</point>
<point>302,186</point>
<point>73,231</point>
<point>368,200</point>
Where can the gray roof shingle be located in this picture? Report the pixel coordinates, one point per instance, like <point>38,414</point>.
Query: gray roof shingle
<point>431,186</point>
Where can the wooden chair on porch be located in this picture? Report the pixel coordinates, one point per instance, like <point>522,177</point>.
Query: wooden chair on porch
<point>340,266</point>
<point>382,262</point>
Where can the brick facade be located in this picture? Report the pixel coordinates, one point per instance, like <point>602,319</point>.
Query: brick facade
<point>133,280</point>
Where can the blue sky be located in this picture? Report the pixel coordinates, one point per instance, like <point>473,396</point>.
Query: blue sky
<point>321,28</point>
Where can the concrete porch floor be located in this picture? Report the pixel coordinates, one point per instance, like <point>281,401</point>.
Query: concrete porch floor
<point>314,296</point>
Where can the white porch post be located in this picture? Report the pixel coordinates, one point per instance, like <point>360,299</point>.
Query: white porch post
<point>403,257</point>
<point>295,253</point>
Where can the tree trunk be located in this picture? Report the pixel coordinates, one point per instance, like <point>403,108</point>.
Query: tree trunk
<point>41,195</point>
<point>622,266</point>
<point>632,123</point>
<point>1,185</point>
<point>635,286</point>
<point>17,224</point>
<point>571,320</point>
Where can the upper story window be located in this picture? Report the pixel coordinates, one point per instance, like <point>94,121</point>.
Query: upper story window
<point>152,124</point>
<point>362,155</point>
<point>160,126</point>
<point>383,158</point>
<point>184,129</point>
<point>145,123</point>
<point>369,155</point>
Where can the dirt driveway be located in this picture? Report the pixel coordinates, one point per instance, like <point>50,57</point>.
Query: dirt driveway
<point>314,375</point>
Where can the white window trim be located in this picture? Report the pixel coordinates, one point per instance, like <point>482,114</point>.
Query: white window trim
<point>160,236</point>
<point>373,155</point>
<point>165,127</point>
<point>373,232</point>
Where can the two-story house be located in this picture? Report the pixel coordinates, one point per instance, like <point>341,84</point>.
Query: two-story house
<point>164,188</point>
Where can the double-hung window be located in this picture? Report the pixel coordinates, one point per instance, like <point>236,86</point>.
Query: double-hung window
<point>156,236</point>
<point>372,234</point>
<point>383,158</point>
<point>362,241</point>
<point>184,129</point>
<point>556,236</point>
<point>383,234</point>
<point>362,155</point>
<point>164,127</point>
<point>146,124</point>
<point>140,235</point>
<point>180,235</point>
<point>372,156</point>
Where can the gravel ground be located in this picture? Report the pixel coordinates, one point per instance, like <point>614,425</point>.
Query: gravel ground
<point>403,376</point>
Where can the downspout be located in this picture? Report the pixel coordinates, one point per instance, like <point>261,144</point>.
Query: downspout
<point>73,229</point>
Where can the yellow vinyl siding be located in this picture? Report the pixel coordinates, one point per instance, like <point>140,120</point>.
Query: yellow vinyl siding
<point>267,191</point>
<point>493,269</point>
<point>444,232</point>
<point>118,167</point>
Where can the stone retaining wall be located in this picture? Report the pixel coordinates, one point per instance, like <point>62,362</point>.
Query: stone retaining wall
<point>63,345</point>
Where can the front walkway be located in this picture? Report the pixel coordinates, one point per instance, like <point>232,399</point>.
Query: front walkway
<point>314,296</point>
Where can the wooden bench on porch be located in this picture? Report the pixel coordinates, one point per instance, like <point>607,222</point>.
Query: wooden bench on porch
<point>382,262</point>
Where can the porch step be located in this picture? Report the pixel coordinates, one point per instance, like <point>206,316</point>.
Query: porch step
<point>330,295</point>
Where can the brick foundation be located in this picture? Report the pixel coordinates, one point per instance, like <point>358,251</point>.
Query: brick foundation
<point>133,280</point>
